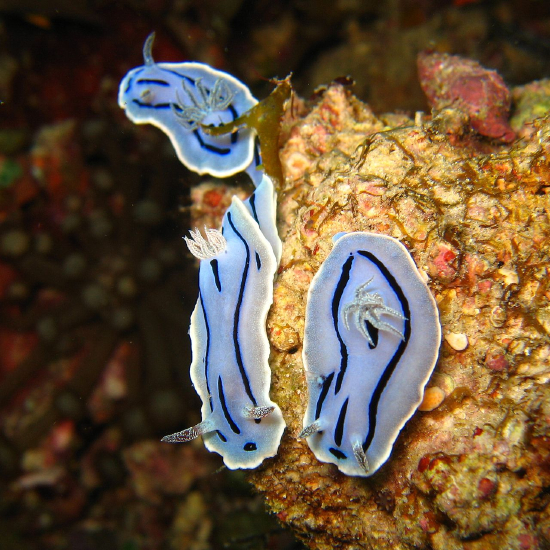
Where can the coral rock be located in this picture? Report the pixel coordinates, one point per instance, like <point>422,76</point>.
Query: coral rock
<point>453,81</point>
<point>470,473</point>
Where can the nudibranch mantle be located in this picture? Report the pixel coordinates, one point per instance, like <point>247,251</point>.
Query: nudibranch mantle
<point>371,341</point>
<point>180,97</point>
<point>230,369</point>
<point>262,205</point>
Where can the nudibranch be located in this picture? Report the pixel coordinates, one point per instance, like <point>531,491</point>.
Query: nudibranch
<point>181,98</point>
<point>230,369</point>
<point>371,341</point>
<point>262,207</point>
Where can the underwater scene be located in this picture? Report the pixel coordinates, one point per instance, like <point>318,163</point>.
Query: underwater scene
<point>274,275</point>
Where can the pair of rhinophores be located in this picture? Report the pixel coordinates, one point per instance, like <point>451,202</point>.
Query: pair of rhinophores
<point>372,331</point>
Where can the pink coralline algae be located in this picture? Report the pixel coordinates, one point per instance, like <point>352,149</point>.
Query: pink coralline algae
<point>463,84</point>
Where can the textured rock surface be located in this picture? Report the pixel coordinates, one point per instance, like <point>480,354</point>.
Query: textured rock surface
<point>470,473</point>
<point>481,94</point>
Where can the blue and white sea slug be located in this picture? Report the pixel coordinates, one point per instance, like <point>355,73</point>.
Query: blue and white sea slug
<point>230,369</point>
<point>262,205</point>
<point>371,341</point>
<point>179,98</point>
